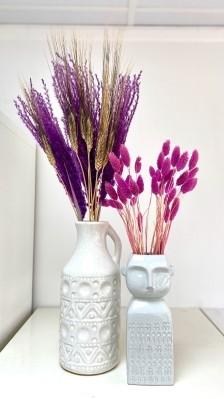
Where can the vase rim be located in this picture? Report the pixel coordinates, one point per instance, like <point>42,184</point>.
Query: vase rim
<point>91,222</point>
<point>147,255</point>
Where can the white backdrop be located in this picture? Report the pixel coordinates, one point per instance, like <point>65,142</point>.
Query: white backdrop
<point>181,98</point>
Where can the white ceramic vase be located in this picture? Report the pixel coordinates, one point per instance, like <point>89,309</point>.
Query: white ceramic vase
<point>149,321</point>
<point>90,302</point>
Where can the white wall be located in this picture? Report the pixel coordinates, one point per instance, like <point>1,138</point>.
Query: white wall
<point>182,98</point>
<point>17,195</point>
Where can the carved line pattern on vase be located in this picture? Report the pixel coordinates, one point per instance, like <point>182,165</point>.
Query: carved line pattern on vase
<point>90,322</point>
<point>150,352</point>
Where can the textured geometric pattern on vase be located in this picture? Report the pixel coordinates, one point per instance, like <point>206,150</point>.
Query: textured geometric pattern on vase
<point>89,323</point>
<point>150,351</point>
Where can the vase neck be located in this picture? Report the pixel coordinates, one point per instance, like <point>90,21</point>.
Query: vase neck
<point>91,232</point>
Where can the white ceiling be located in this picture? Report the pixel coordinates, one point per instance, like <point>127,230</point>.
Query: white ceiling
<point>113,12</point>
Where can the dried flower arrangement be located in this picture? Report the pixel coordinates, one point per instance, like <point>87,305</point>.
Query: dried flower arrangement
<point>173,177</point>
<point>96,116</point>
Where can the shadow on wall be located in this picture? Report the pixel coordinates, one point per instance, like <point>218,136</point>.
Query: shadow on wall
<point>17,193</point>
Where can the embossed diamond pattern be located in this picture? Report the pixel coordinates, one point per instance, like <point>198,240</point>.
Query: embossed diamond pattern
<point>89,323</point>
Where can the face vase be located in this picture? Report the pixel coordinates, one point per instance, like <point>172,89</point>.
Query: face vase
<point>149,321</point>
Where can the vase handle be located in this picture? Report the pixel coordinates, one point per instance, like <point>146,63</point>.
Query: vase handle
<point>117,242</point>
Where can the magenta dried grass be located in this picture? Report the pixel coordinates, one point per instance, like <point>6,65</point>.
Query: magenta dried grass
<point>174,178</point>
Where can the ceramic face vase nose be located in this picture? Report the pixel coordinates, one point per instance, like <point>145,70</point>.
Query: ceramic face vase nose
<point>149,321</point>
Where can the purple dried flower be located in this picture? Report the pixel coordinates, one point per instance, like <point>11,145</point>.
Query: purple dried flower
<point>122,185</point>
<point>182,178</point>
<point>138,164</point>
<point>111,191</point>
<point>174,208</point>
<point>115,162</point>
<point>169,175</point>
<point>128,178</point>
<point>122,166</point>
<point>193,172</point>
<point>158,175</point>
<point>140,183</point>
<point>175,156</point>
<point>152,171</point>
<point>133,187</point>
<point>115,204</point>
<point>169,185</point>
<point>105,203</point>
<point>166,214</point>
<point>189,185</point>
<point>154,186</point>
<point>171,195</point>
<point>166,147</point>
<point>193,160</point>
<point>125,156</point>
<point>160,160</point>
<point>167,198</point>
<point>140,220</point>
<point>39,119</point>
<point>85,140</point>
<point>133,201</point>
<point>121,196</point>
<point>182,162</point>
<point>166,167</point>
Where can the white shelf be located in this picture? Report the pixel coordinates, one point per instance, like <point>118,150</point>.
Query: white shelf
<point>29,366</point>
<point>216,316</point>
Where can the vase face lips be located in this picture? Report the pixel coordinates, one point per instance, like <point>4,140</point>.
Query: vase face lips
<point>148,281</point>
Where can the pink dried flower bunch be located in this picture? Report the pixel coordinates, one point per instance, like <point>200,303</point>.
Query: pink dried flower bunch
<point>174,176</point>
<point>124,195</point>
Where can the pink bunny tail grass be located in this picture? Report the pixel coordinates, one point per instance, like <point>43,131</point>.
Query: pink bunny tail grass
<point>169,185</point>
<point>193,160</point>
<point>115,204</point>
<point>175,156</point>
<point>111,191</point>
<point>133,187</point>
<point>128,179</point>
<point>166,214</point>
<point>133,201</point>
<point>160,160</point>
<point>152,171</point>
<point>123,186</point>
<point>138,164</point>
<point>193,172</point>
<point>174,208</point>
<point>166,167</point>
<point>182,178</point>
<point>121,166</point>
<point>182,162</point>
<point>105,202</point>
<point>123,198</point>
<point>125,156</point>
<point>140,183</point>
<point>166,147</point>
<point>114,161</point>
<point>158,175</point>
<point>169,175</point>
<point>140,221</point>
<point>189,185</point>
<point>154,186</point>
<point>171,195</point>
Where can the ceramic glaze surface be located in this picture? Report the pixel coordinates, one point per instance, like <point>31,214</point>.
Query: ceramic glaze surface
<point>90,303</point>
<point>149,322</point>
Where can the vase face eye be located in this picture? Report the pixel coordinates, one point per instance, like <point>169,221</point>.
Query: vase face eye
<point>148,282</point>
